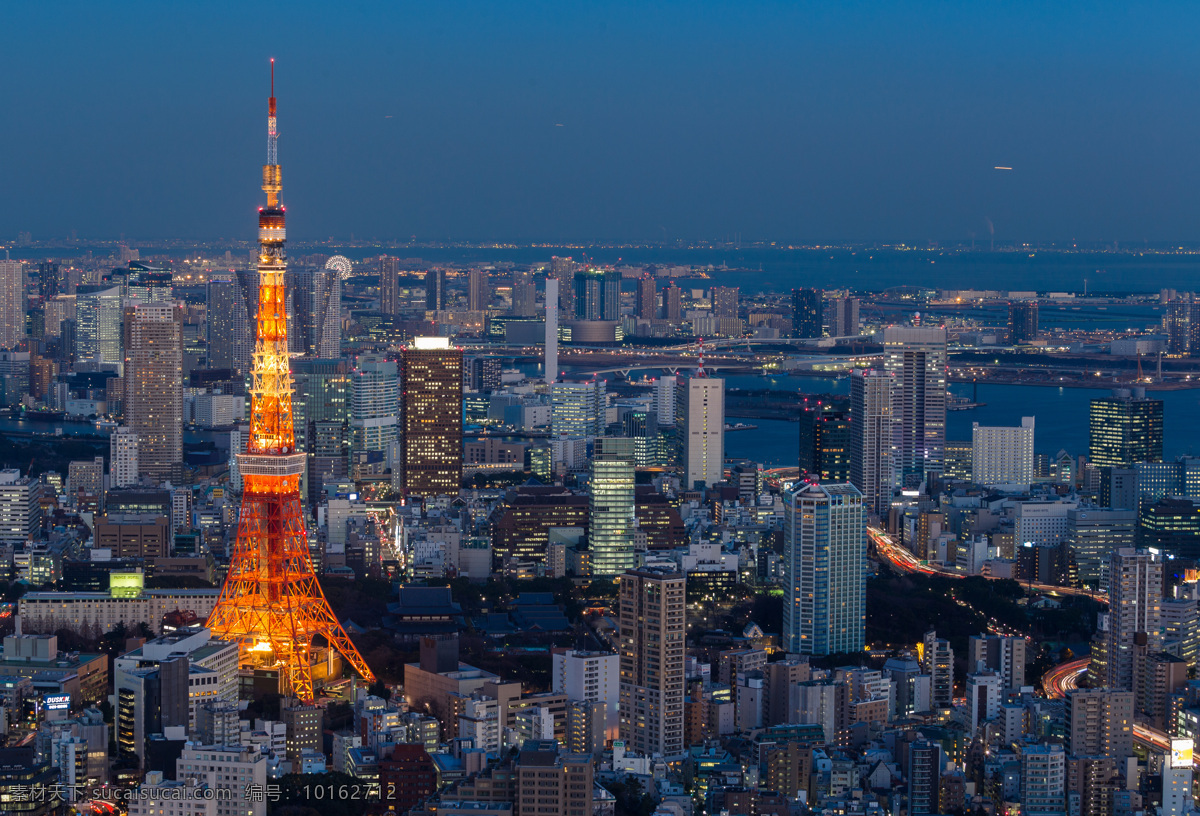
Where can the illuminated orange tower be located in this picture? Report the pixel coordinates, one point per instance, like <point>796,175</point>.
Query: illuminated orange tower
<point>271,602</point>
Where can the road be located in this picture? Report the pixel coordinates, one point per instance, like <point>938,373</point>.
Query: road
<point>1064,677</point>
<point>904,561</point>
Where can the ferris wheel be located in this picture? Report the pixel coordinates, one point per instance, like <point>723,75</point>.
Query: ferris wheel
<point>342,264</point>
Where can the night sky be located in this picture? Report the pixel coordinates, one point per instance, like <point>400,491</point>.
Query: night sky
<point>603,121</point>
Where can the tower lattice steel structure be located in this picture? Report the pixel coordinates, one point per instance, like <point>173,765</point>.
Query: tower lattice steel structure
<point>271,602</point>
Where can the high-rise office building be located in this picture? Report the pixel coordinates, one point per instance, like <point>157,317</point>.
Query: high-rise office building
<point>1001,454</point>
<point>824,600</point>
<point>611,511</point>
<point>317,309</point>
<point>563,270</point>
<point>1003,655</point>
<point>1093,534</point>
<point>1180,321</point>
<point>374,403</point>
<point>647,298</point>
<point>524,294</point>
<point>232,308</point>
<point>871,471</point>
<point>49,280</point>
<point>389,285</point>
<point>1022,321</point>
<point>435,290</point>
<point>98,325</point>
<point>122,458</point>
<point>153,382</point>
<point>598,294</point>
<point>673,303</point>
<point>725,302</point>
<point>916,356</point>
<point>12,303</point>
<point>807,313</point>
<point>479,294</point>
<point>578,409</point>
<point>431,417</point>
<point>700,429</point>
<point>1125,428</point>
<point>652,631</point>
<point>845,317</point>
<point>825,445</point>
<point>321,416</point>
<point>1134,611</point>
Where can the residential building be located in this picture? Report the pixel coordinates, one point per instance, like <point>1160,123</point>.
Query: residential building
<point>807,313</point>
<point>153,380</point>
<point>1022,322</point>
<point>652,614</point>
<point>1135,596</point>
<point>227,768</point>
<point>700,428</point>
<point>824,603</point>
<point>1005,656</point>
<point>916,356</point>
<point>871,457</point>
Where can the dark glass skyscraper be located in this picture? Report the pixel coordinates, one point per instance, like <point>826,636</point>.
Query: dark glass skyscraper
<point>231,311</point>
<point>431,396</point>
<point>317,307</point>
<point>598,294</point>
<point>1022,321</point>
<point>435,290</point>
<point>825,445</point>
<point>1126,427</point>
<point>807,313</point>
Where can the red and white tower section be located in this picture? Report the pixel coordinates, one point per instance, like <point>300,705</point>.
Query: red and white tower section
<point>271,602</point>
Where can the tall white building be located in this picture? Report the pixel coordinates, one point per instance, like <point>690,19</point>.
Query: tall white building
<point>98,315</point>
<point>122,458</point>
<point>551,341</point>
<point>824,597</point>
<point>1042,522</point>
<point>12,303</point>
<point>590,676</point>
<point>1002,455</point>
<point>663,402</point>
<point>700,426</point>
<point>917,358</point>
<point>374,404</point>
<point>871,437</point>
<point>1043,779</point>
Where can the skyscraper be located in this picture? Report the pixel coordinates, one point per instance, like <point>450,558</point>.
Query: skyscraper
<point>700,429</point>
<point>322,395</point>
<point>725,302</point>
<point>825,445</point>
<point>1002,455</point>
<point>435,290</point>
<point>1126,427</point>
<point>232,304</point>
<point>1179,320</point>
<point>317,306</point>
<point>598,294</point>
<point>374,403</point>
<point>652,630</point>
<point>611,510</point>
<point>807,313</point>
<point>824,602</point>
<point>563,270</point>
<point>524,294</point>
<point>1022,321</point>
<point>673,303</point>
<point>431,417</point>
<point>98,325</point>
<point>12,303</point>
<point>578,409</point>
<point>845,317</point>
<point>937,660</point>
<point>917,358</point>
<point>647,298</point>
<point>153,381</point>
<point>1134,611</point>
<point>389,285</point>
<point>871,397</point>
<point>550,342</point>
<point>479,294</point>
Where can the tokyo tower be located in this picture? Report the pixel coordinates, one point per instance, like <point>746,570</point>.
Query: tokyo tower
<point>271,602</point>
